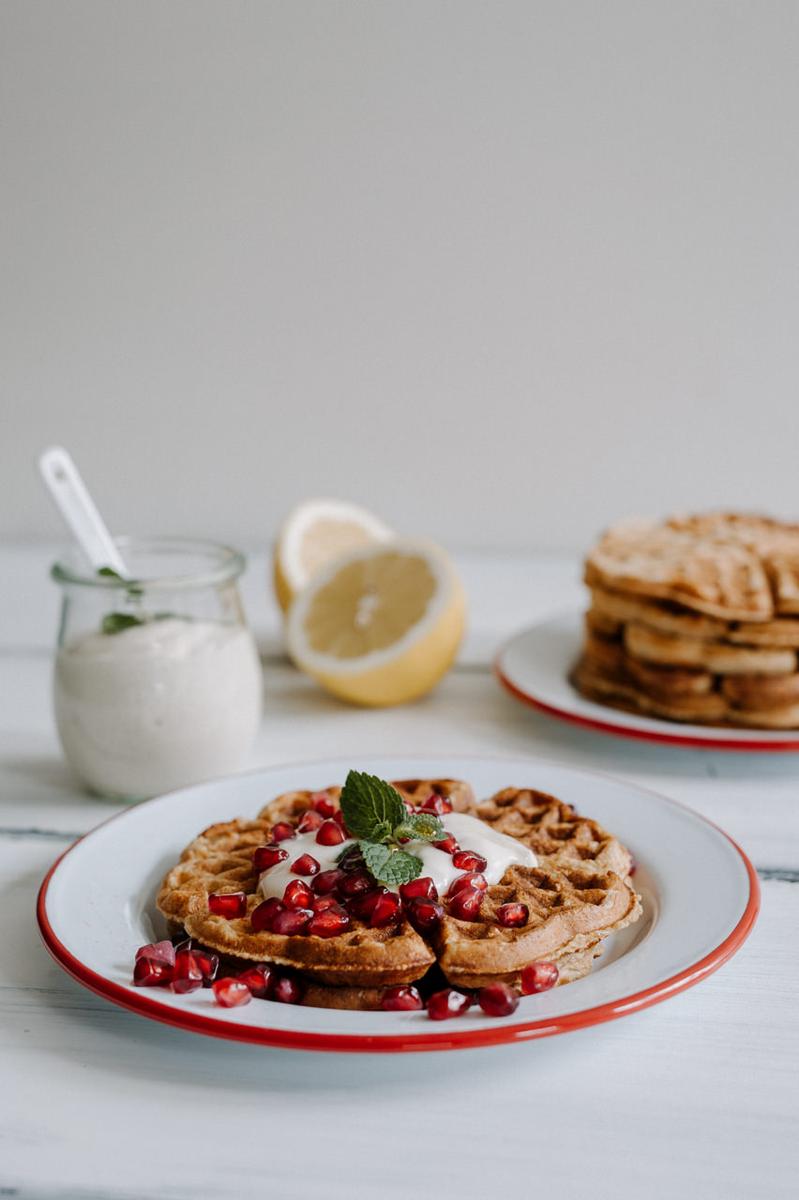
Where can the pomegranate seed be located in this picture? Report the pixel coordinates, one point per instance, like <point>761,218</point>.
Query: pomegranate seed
<point>287,990</point>
<point>290,921</point>
<point>364,904</point>
<point>470,879</point>
<point>498,999</point>
<point>268,856</point>
<point>282,831</point>
<point>539,977</point>
<point>329,923</point>
<point>231,992</point>
<point>330,833</point>
<point>386,911</point>
<point>338,817</point>
<point>633,866</point>
<point>321,803</point>
<point>163,952</point>
<point>324,903</point>
<point>424,914</point>
<point>149,972</point>
<point>227,904</point>
<point>447,1003</point>
<point>306,864</point>
<point>326,882</point>
<point>447,844</point>
<point>422,886</point>
<point>297,894</point>
<point>187,976</point>
<point>465,904</point>
<point>310,821</point>
<point>262,915</point>
<point>467,860</point>
<point>356,883</point>
<point>259,980</point>
<point>436,804</point>
<point>513,915</point>
<point>401,999</point>
<point>208,964</point>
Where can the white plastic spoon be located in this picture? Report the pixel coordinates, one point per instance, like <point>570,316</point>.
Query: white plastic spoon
<point>79,510</point>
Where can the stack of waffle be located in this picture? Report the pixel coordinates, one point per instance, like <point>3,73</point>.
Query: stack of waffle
<point>695,619</point>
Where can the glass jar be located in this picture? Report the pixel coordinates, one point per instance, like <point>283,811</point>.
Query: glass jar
<point>157,679</point>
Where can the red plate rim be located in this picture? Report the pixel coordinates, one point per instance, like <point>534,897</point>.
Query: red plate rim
<point>236,1031</point>
<point>693,741</point>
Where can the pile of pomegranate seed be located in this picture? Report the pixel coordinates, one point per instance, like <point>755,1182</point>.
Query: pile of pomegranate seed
<point>160,964</point>
<point>539,977</point>
<point>227,904</point>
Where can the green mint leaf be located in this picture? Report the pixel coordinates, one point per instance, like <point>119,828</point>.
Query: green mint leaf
<point>372,808</point>
<point>392,867</point>
<point>424,827</point>
<point>115,622</point>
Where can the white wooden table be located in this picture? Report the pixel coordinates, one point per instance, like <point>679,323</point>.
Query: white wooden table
<point>697,1097</point>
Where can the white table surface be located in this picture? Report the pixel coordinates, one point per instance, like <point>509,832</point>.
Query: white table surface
<point>697,1097</point>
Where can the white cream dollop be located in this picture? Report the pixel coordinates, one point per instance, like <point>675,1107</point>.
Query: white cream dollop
<point>499,851</point>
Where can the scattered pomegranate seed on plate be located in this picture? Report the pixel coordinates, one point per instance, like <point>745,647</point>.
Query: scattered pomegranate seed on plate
<point>149,972</point>
<point>447,1003</point>
<point>227,904</point>
<point>163,952</point>
<point>208,964</point>
<point>498,999</point>
<point>539,977</point>
<point>401,999</point>
<point>229,993</point>
<point>287,990</point>
<point>259,979</point>
<point>187,975</point>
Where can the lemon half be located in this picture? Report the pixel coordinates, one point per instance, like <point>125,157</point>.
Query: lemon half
<point>313,534</point>
<point>380,625</point>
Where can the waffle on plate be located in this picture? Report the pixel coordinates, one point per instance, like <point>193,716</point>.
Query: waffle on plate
<point>695,619</point>
<point>570,881</point>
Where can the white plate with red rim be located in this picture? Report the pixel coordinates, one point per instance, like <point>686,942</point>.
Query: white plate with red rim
<point>534,667</point>
<point>700,896</point>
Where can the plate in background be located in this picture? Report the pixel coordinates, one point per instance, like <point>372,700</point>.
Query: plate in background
<point>534,667</point>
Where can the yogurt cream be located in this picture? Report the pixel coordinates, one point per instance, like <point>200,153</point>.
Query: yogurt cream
<point>499,851</point>
<point>159,705</point>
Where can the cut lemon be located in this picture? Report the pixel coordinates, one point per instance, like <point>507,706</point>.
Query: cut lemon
<point>313,534</point>
<point>380,625</point>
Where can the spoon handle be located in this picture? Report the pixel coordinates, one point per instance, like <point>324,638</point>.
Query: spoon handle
<point>79,510</point>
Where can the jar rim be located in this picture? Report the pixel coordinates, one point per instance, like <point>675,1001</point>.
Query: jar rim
<point>224,565</point>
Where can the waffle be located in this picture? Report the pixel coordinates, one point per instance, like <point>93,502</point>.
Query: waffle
<point>577,894</point>
<point>694,619</point>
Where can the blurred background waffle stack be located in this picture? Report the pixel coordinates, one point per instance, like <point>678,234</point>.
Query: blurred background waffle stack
<point>695,619</point>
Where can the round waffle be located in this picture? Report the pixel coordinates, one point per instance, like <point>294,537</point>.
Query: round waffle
<point>576,895</point>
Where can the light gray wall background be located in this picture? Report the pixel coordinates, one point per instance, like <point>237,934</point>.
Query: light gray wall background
<point>501,270</point>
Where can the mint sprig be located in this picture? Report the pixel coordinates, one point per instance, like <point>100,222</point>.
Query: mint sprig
<point>375,813</point>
